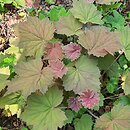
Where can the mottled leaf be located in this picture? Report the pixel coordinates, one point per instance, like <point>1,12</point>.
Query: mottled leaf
<point>84,74</point>
<point>42,111</point>
<point>99,41</point>
<point>68,25</point>
<point>86,12</point>
<point>117,119</point>
<point>31,77</point>
<point>33,35</point>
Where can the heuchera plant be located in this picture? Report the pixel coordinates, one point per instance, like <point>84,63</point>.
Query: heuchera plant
<point>56,81</point>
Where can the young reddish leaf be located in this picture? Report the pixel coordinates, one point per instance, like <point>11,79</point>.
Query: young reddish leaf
<point>82,75</point>
<point>72,51</point>
<point>99,41</point>
<point>43,112</point>
<point>117,119</point>
<point>68,25</point>
<point>33,35</point>
<point>36,3</point>
<point>86,12</point>
<point>54,51</point>
<point>58,68</point>
<point>89,98</point>
<point>31,77</point>
<point>74,104</point>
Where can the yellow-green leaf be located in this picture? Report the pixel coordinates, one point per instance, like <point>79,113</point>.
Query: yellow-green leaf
<point>86,12</point>
<point>126,83</point>
<point>68,25</point>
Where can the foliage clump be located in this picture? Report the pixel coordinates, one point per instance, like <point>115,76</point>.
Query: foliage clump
<point>67,66</point>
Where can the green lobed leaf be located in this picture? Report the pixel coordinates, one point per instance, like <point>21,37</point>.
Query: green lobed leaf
<point>55,13</point>
<point>100,104</point>
<point>50,1</point>
<point>124,35</point>
<point>70,115</point>
<point>123,100</point>
<point>84,74</point>
<point>42,110</point>
<point>84,123</point>
<point>116,21</point>
<point>107,64</point>
<point>68,26</point>
<point>112,84</point>
<point>86,12</point>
